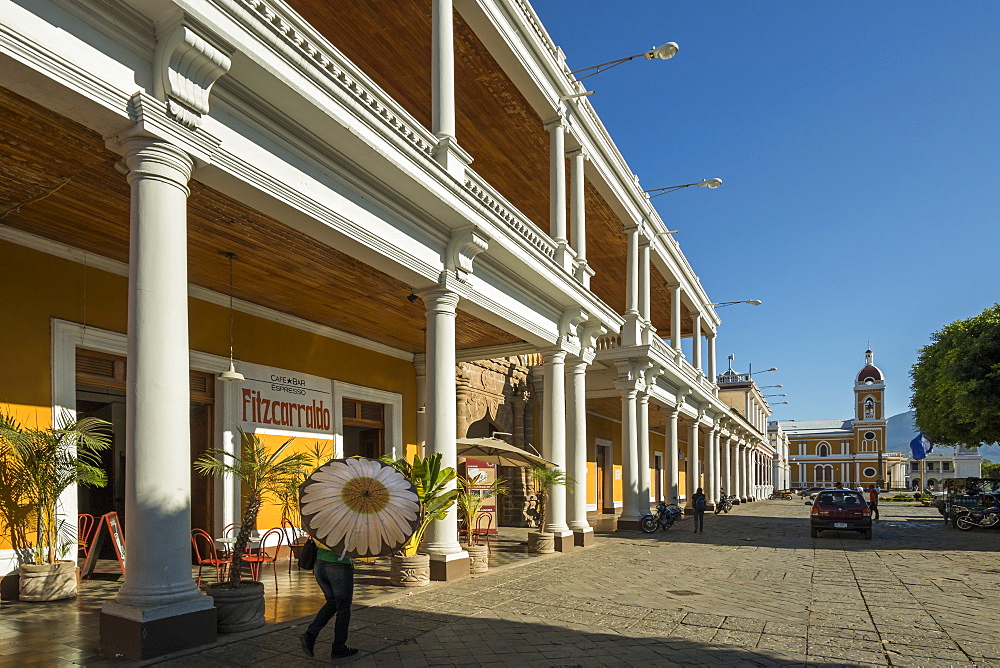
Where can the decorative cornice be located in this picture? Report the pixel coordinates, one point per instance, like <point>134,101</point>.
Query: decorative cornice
<point>466,243</point>
<point>185,67</point>
<point>151,118</point>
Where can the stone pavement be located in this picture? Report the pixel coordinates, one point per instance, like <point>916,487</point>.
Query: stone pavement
<point>754,589</point>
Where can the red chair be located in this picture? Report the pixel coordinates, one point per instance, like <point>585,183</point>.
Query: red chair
<point>211,556</point>
<point>481,530</point>
<point>266,554</point>
<point>85,526</point>
<point>230,531</point>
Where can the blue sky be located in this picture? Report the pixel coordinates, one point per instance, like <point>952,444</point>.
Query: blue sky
<point>859,144</point>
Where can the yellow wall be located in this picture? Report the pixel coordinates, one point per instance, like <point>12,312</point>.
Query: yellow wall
<point>598,427</point>
<point>38,287</point>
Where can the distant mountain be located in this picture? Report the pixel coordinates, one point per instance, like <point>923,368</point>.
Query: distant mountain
<point>900,430</point>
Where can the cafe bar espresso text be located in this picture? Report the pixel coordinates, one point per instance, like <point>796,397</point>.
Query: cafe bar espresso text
<point>284,413</point>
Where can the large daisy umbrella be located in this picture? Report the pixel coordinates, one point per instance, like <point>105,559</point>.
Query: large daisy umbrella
<point>359,507</point>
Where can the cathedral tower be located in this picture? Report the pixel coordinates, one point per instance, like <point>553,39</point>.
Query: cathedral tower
<point>869,409</point>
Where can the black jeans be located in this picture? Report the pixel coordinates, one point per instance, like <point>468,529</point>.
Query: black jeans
<point>699,520</point>
<point>874,507</point>
<point>337,582</point>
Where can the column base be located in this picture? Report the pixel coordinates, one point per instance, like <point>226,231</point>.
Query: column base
<point>583,537</point>
<point>564,541</point>
<point>628,524</point>
<point>448,567</point>
<point>736,502</point>
<point>133,633</point>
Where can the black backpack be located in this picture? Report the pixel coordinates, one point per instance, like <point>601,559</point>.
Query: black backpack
<point>700,503</point>
<point>307,556</point>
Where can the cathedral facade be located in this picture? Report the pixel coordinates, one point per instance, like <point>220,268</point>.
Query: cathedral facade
<point>851,451</point>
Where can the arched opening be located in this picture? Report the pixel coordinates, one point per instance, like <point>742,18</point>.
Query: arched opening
<point>823,450</point>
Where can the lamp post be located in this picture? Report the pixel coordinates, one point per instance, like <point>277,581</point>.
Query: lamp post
<point>662,52</point>
<point>775,395</point>
<point>752,302</point>
<point>711,184</point>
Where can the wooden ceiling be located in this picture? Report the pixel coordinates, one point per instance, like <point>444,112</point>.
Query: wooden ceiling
<point>59,182</point>
<point>391,42</point>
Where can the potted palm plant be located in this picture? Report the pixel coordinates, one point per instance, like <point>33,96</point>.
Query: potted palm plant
<point>261,474</point>
<point>41,465</point>
<point>409,569</point>
<point>472,493</point>
<point>541,541</point>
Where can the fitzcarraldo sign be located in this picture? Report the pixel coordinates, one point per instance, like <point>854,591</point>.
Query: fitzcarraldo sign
<point>281,400</point>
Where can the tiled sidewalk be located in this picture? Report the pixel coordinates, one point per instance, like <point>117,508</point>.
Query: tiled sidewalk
<point>754,589</point>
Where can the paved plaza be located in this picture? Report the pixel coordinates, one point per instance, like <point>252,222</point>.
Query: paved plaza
<point>754,589</point>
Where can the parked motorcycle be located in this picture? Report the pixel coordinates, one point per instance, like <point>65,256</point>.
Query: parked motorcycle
<point>664,517</point>
<point>987,518</point>
<point>724,505</point>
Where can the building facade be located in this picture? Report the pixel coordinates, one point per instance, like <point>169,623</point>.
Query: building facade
<point>942,463</point>
<point>852,451</point>
<point>399,220</point>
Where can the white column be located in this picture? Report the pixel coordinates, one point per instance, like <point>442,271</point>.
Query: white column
<point>557,191</point>
<point>578,215</point>
<point>673,457</point>
<point>644,308</point>
<point>675,316</point>
<point>442,429</point>
<point>633,318</point>
<point>711,468</point>
<point>630,456</point>
<point>554,434</point>
<point>158,398</point>
<point>693,462</point>
<point>712,372</point>
<point>696,343</point>
<point>421,378</point>
<point>442,69</point>
<point>642,499</point>
<point>741,470</point>
<point>576,439</point>
<point>726,467</point>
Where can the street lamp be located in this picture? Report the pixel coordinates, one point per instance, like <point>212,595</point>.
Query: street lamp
<point>663,52</point>
<point>711,184</point>
<point>754,373</point>
<point>766,387</point>
<point>752,302</point>
<point>775,395</point>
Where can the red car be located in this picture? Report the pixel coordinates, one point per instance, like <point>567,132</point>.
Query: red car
<point>841,510</point>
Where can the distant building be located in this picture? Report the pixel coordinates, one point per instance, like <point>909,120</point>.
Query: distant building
<point>851,451</point>
<point>942,463</point>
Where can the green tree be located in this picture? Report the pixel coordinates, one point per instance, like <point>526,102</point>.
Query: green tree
<point>38,465</point>
<point>956,382</point>
<point>991,469</point>
<point>261,474</point>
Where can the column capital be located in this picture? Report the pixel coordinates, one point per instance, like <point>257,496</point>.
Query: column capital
<point>560,120</point>
<point>439,299</point>
<point>578,153</point>
<point>553,356</point>
<point>150,157</point>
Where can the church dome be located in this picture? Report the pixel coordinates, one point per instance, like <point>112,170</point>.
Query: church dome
<point>871,374</point>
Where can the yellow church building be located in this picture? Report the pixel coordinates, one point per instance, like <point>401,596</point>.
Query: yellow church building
<point>851,451</point>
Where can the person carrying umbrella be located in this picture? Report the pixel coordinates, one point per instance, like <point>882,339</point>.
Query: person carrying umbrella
<point>352,507</point>
<point>335,577</point>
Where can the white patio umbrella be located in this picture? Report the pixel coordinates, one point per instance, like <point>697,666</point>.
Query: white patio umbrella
<point>359,507</point>
<point>495,451</point>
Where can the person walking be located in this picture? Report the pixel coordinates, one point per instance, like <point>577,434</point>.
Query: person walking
<point>873,501</point>
<point>335,577</point>
<point>700,505</point>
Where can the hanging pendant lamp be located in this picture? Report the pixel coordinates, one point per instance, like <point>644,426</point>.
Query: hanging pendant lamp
<point>231,374</point>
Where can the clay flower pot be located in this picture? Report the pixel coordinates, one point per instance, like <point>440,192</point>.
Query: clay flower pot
<point>240,607</point>
<point>47,582</point>
<point>541,542</point>
<point>414,571</point>
<point>479,558</point>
